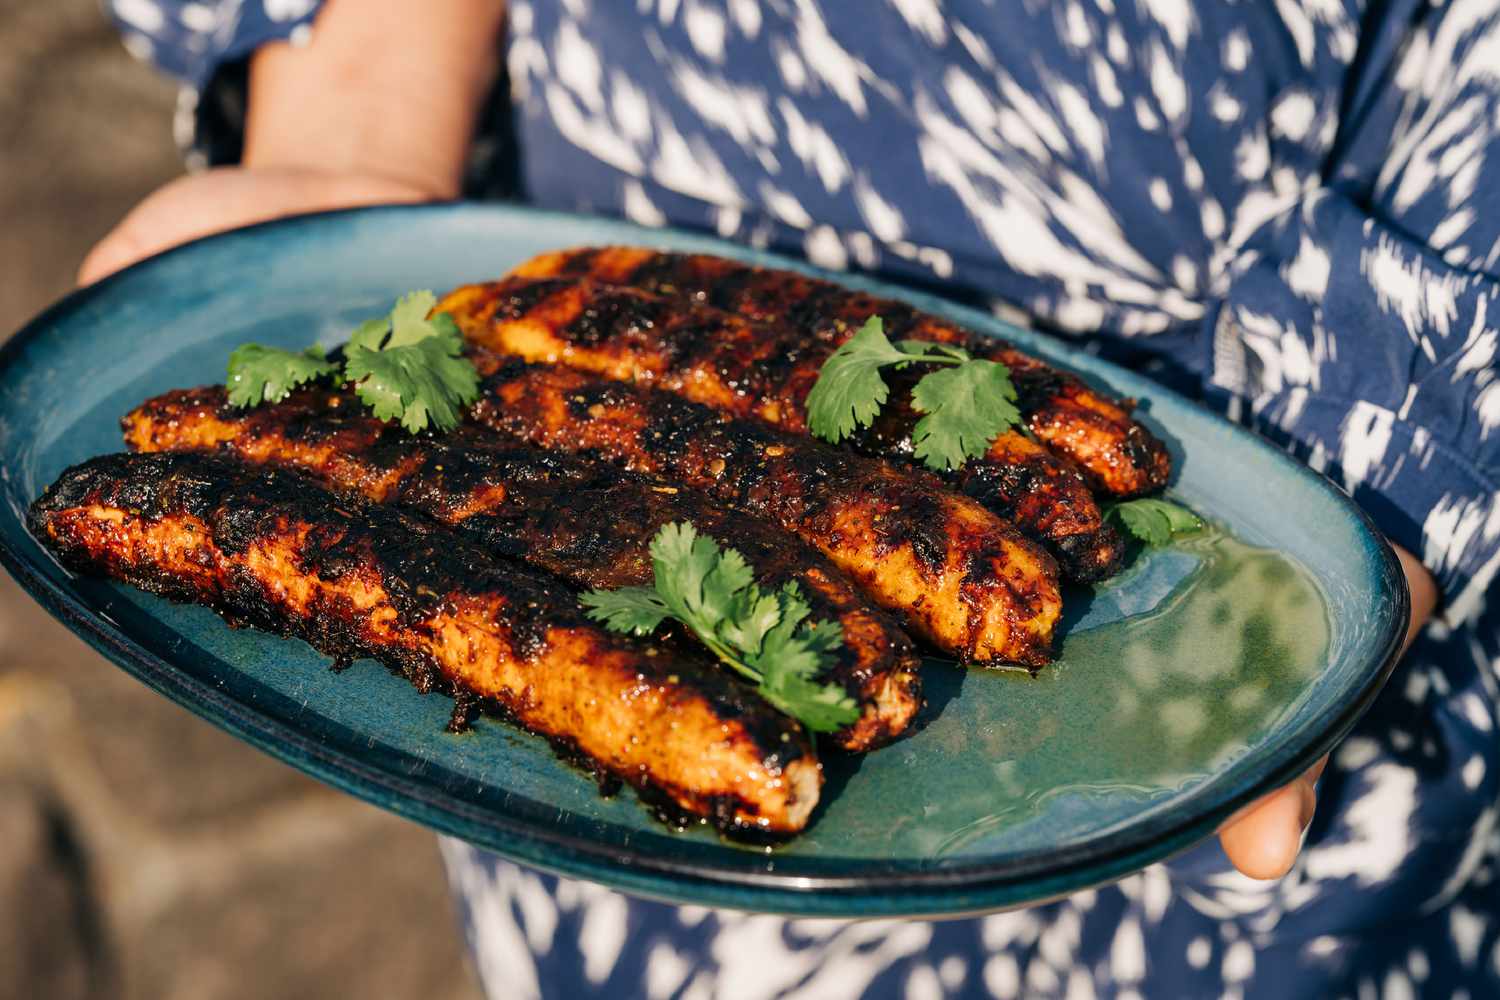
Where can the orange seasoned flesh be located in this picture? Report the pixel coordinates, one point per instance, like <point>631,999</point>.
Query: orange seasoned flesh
<point>274,550</point>
<point>589,523</point>
<point>954,573</point>
<point>1117,454</point>
<point>764,371</point>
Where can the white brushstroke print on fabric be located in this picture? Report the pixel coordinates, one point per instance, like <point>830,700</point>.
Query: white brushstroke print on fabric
<point>1291,209</point>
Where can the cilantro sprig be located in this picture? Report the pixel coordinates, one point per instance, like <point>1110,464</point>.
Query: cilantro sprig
<point>1154,522</point>
<point>967,403</point>
<point>260,374</point>
<point>410,367</point>
<point>761,635</point>
<point>406,366</point>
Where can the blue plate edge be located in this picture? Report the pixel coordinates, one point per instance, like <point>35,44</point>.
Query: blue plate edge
<point>950,891</point>
<point>979,889</point>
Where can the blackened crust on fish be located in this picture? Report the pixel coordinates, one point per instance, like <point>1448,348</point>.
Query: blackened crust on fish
<point>611,317</point>
<point>908,541</point>
<point>521,301</point>
<point>272,549</point>
<point>588,523</point>
<point>1048,498</point>
<point>1021,489</point>
<point>1081,423</point>
<point>764,371</point>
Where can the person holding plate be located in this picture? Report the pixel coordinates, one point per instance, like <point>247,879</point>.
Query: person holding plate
<point>1289,211</point>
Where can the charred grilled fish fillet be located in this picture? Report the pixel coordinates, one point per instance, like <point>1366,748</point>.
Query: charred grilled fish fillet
<point>765,371</point>
<point>1118,455</point>
<point>273,549</point>
<point>588,523</point>
<point>954,573</point>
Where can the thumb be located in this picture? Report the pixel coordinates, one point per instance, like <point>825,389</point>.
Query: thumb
<point>1263,841</point>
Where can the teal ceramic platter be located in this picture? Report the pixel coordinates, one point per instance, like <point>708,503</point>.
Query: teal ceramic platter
<point>1206,674</point>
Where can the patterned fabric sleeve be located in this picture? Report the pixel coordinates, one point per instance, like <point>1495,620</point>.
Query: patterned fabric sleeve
<point>1397,398</point>
<point>206,44</point>
<point>1360,325</point>
<point>192,40</point>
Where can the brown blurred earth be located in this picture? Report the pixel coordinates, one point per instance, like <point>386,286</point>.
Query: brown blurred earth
<point>146,854</point>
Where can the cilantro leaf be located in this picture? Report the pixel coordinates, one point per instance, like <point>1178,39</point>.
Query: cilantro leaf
<point>427,382</point>
<point>1155,522</point>
<point>681,562</point>
<point>410,367</point>
<point>849,391</point>
<point>408,320</point>
<point>933,350</point>
<point>726,587</point>
<point>822,708</point>
<point>406,365</point>
<point>637,610</point>
<point>966,408</point>
<point>370,334</point>
<point>967,403</point>
<point>789,657</point>
<point>259,374</point>
<point>761,635</point>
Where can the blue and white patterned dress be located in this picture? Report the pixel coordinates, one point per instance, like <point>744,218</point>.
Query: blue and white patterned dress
<point>1290,209</point>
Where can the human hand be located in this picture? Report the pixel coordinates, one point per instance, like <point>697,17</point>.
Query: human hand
<point>1262,841</point>
<point>329,126</point>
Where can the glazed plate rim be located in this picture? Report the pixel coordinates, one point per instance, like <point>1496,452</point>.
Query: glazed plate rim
<point>956,888</point>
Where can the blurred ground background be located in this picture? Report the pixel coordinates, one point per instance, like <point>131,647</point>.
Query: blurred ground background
<point>144,854</point>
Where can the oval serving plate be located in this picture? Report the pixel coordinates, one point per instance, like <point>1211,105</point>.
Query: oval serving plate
<point>1206,674</point>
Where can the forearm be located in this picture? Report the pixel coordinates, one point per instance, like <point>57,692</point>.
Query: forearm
<point>385,87</point>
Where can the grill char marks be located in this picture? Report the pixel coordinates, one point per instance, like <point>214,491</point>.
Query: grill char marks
<point>953,572</point>
<point>1118,455</point>
<point>588,523</point>
<point>274,550</point>
<point>764,371</point>
<point>1018,479</point>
